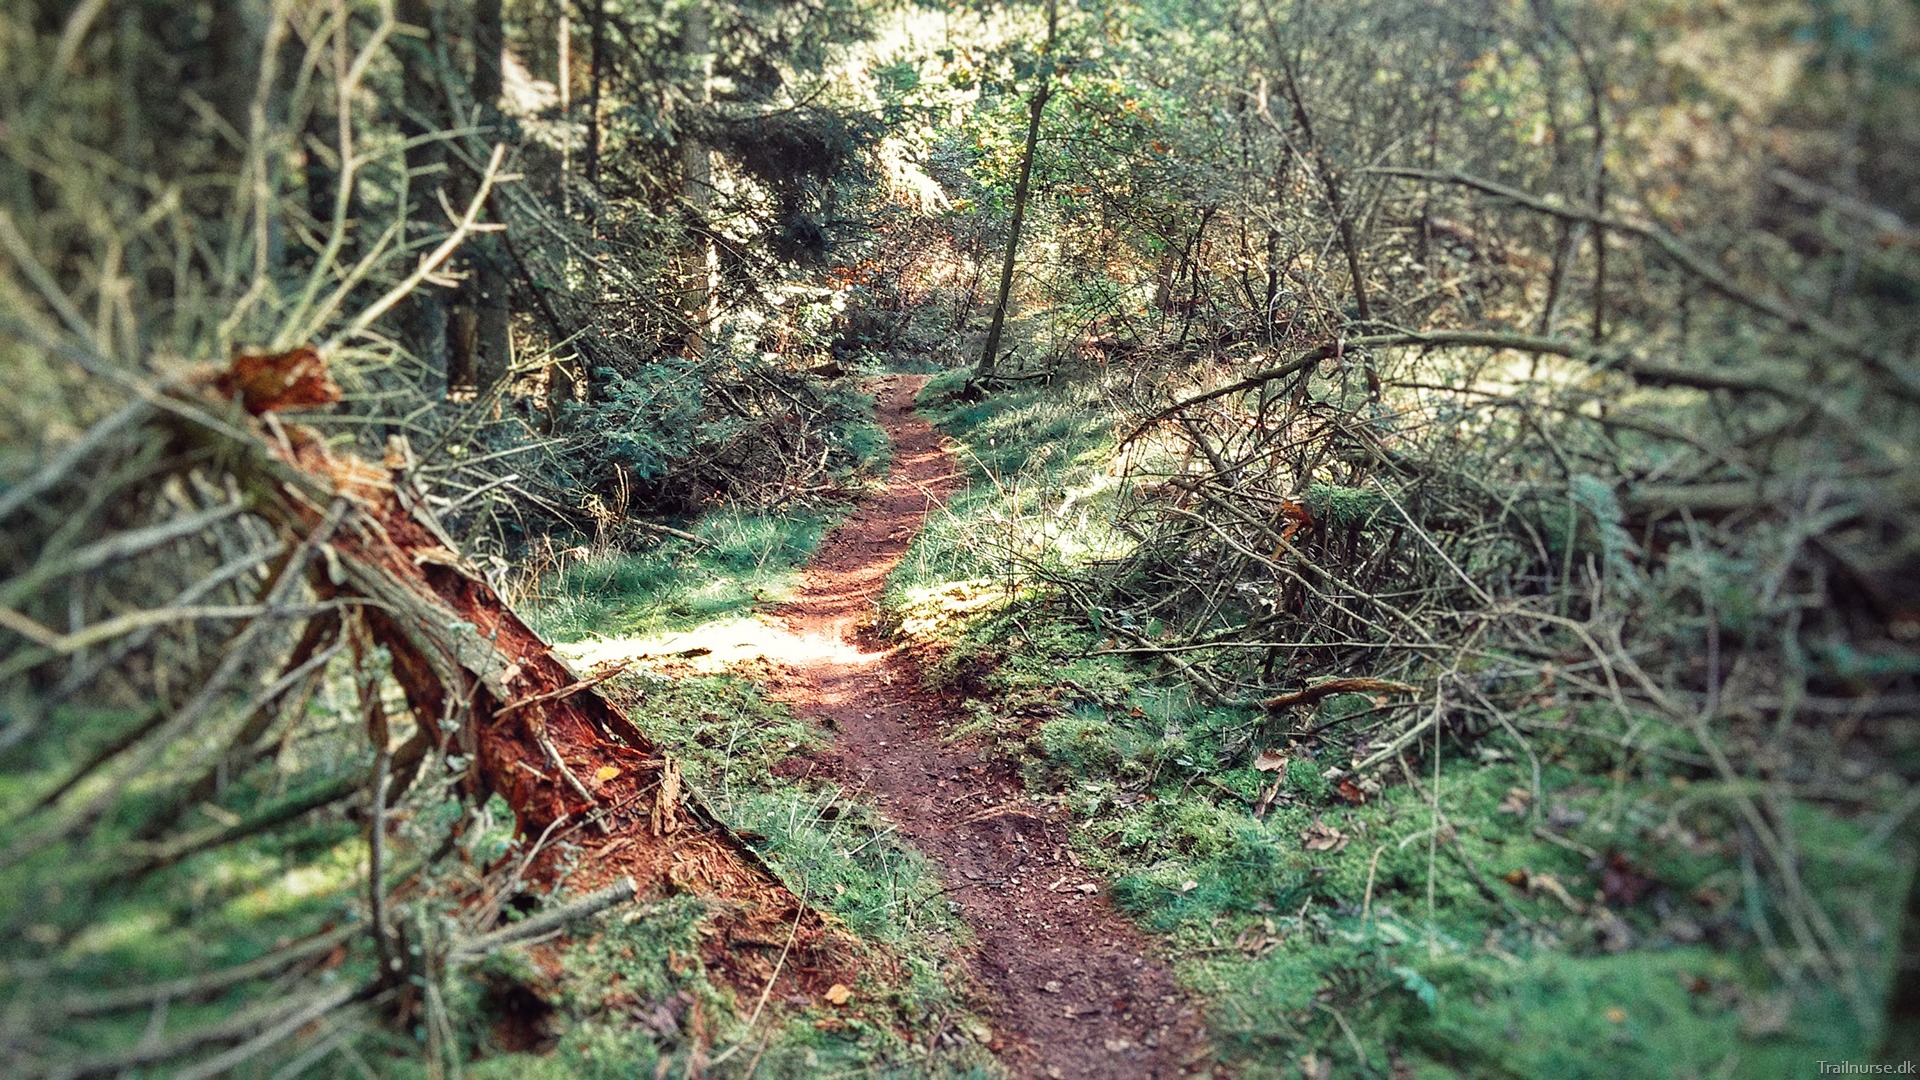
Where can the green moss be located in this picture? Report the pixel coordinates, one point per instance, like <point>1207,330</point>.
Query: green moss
<point>744,558</point>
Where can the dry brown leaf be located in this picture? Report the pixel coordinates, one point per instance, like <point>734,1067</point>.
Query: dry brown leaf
<point>606,773</point>
<point>1270,761</point>
<point>1322,837</point>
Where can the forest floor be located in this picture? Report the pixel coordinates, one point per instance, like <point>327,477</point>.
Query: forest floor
<point>1071,862</point>
<point>1071,986</point>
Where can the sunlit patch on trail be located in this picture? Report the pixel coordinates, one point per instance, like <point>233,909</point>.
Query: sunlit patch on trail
<point>719,646</point>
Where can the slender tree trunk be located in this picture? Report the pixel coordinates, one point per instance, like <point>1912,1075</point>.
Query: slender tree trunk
<point>990,353</point>
<point>481,326</point>
<point>596,66</point>
<point>1596,95</point>
<point>1336,197</point>
<point>696,178</point>
<point>563,77</point>
<point>423,329</point>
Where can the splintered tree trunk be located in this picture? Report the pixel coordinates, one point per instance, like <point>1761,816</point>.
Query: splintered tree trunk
<point>696,179</point>
<point>487,690</point>
<point>990,352</point>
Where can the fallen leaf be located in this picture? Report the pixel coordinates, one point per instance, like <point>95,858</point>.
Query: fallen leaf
<point>1270,761</point>
<point>839,993</point>
<point>1322,837</point>
<point>1351,792</point>
<point>606,773</point>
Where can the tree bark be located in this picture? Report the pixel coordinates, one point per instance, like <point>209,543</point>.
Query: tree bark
<point>990,352</point>
<point>480,331</point>
<point>563,77</point>
<point>696,182</point>
<point>596,67</point>
<point>423,329</point>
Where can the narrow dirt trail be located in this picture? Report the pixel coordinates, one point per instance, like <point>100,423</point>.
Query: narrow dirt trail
<point>1071,987</point>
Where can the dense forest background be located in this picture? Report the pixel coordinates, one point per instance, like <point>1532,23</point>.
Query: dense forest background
<point>1460,456</point>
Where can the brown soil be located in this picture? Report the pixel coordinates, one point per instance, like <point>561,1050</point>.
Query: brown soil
<point>1071,986</point>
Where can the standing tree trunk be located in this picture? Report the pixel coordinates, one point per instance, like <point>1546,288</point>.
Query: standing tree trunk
<point>422,113</point>
<point>481,330</point>
<point>1596,98</point>
<point>696,181</point>
<point>596,65</point>
<point>990,353</point>
<point>564,78</point>
<point>1337,205</point>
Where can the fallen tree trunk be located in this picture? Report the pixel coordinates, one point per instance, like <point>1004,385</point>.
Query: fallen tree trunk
<point>484,688</point>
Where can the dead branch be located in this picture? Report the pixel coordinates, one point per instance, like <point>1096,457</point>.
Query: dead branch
<point>1337,686</point>
<point>247,1024</point>
<point>565,915</point>
<point>198,987</point>
<point>668,530</point>
<point>1905,379</point>
<point>566,691</point>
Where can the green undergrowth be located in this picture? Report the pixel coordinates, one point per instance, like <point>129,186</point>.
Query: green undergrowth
<point>1039,493</point>
<point>87,919</point>
<point>1540,902</point>
<point>742,558</point>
